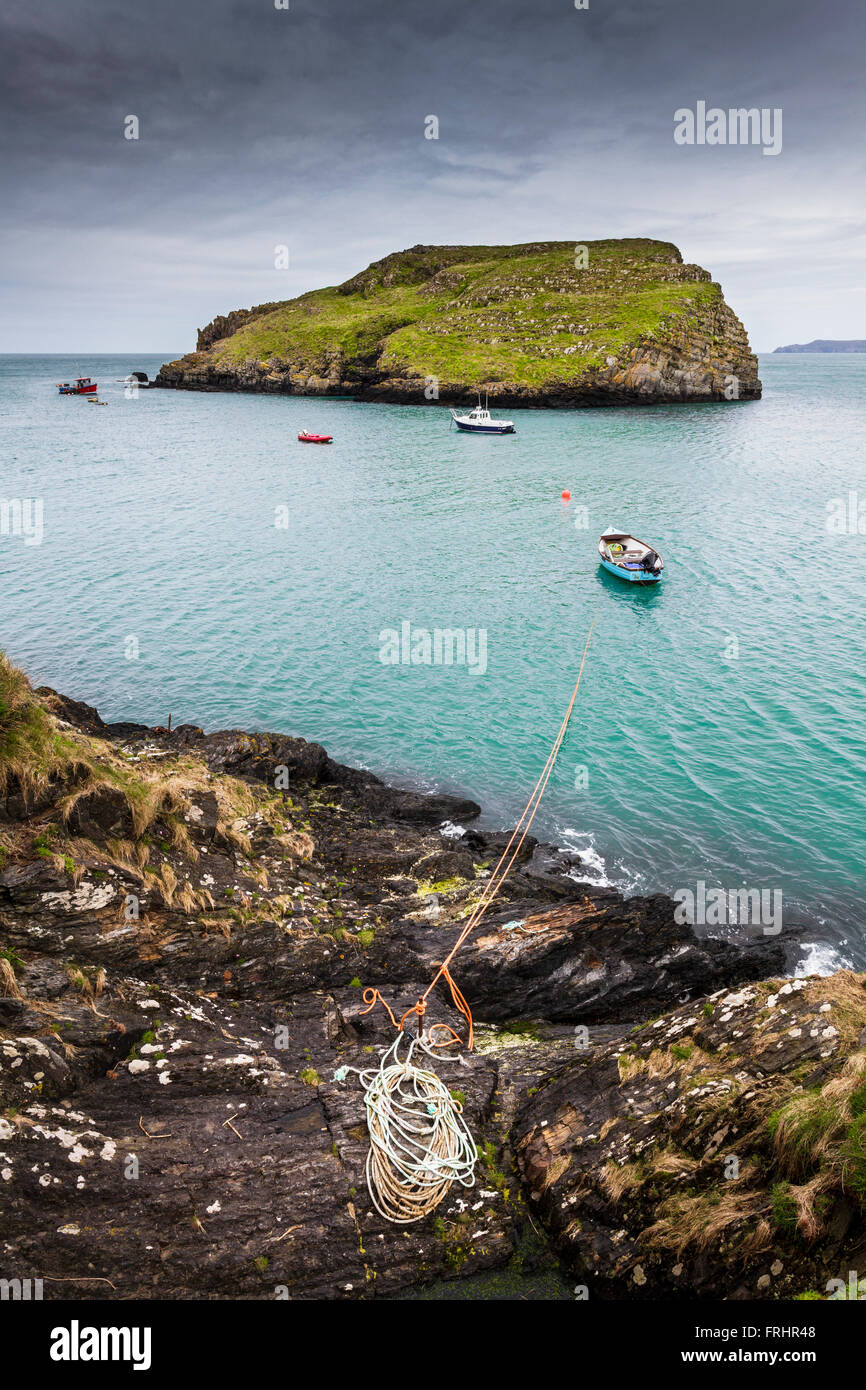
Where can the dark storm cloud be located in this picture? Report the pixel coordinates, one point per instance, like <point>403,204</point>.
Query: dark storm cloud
<point>262,126</point>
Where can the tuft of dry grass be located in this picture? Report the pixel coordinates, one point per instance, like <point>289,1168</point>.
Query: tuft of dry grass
<point>804,1130</point>
<point>842,1088</point>
<point>846,992</point>
<point>90,987</point>
<point>620,1178</point>
<point>809,1222</point>
<point>165,883</point>
<point>234,836</point>
<point>700,1220</point>
<point>9,986</point>
<point>684,1057</point>
<point>187,899</point>
<point>673,1162</point>
<point>758,1240</point>
<point>808,1128</point>
<point>629,1065</point>
<point>180,838</point>
<point>29,755</point>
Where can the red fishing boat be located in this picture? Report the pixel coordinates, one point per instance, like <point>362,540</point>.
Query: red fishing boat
<point>81,386</point>
<point>306,438</point>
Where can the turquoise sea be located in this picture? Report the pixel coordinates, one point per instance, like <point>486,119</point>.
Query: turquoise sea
<point>720,732</point>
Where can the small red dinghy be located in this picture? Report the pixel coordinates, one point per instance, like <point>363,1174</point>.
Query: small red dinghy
<point>306,438</point>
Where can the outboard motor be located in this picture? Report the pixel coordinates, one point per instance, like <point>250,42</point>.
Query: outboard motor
<point>651,562</point>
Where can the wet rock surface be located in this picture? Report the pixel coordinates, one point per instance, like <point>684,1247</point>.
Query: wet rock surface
<point>186,935</point>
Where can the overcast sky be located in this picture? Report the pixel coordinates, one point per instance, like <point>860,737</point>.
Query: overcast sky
<point>305,127</point>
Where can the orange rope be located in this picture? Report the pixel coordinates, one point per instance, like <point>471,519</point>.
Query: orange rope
<point>459,1003</point>
<point>420,1009</point>
<point>497,879</point>
<point>372,997</point>
<point>454,1038</point>
<point>500,874</point>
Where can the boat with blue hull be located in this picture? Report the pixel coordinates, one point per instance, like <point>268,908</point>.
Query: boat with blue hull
<point>479,421</point>
<point>630,559</point>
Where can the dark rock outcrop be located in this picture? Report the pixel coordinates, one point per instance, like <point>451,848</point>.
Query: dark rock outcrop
<point>715,1152</point>
<point>224,325</point>
<point>177,1003</point>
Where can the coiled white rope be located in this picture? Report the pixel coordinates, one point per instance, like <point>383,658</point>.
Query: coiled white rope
<point>419,1142</point>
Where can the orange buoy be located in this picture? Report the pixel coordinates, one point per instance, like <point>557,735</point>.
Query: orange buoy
<point>566,495</point>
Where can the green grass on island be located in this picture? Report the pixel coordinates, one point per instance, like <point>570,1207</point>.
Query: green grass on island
<point>533,314</point>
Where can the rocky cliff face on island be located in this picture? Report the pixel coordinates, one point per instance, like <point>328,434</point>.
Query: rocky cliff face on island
<point>547,323</point>
<point>183,951</point>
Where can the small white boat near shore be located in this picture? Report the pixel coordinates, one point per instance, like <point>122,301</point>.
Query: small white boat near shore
<point>479,421</point>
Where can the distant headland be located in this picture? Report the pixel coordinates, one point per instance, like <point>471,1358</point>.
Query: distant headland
<point>619,322</point>
<point>827,345</point>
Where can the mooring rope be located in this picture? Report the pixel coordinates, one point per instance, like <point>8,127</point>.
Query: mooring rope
<point>502,870</point>
<point>419,1142</point>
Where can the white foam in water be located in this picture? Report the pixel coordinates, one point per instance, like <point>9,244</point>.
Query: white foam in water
<point>452,831</point>
<point>820,958</point>
<point>592,868</point>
